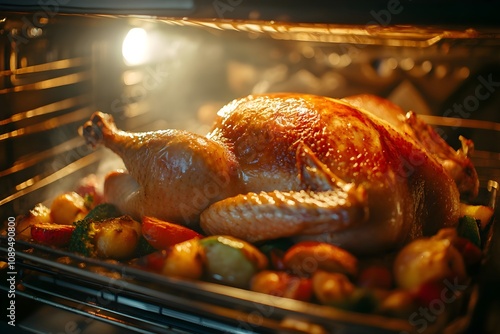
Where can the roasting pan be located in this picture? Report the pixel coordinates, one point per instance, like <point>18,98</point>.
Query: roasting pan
<point>63,60</point>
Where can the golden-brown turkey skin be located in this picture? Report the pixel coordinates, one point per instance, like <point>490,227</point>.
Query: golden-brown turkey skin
<point>264,133</point>
<point>409,193</point>
<point>245,178</point>
<point>456,163</point>
<point>171,174</point>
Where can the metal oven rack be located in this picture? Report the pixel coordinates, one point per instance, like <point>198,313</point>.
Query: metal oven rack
<point>141,301</point>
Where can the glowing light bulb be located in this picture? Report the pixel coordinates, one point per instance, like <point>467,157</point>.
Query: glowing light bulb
<point>135,47</point>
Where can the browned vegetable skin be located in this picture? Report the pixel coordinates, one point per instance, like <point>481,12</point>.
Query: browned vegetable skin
<point>40,214</point>
<point>185,260</point>
<point>68,208</point>
<point>428,259</point>
<point>117,238</point>
<point>282,284</point>
<point>305,257</point>
<point>231,261</point>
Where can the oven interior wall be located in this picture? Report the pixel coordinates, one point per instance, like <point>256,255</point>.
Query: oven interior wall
<point>55,73</point>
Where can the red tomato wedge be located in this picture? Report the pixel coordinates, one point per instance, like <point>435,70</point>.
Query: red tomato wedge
<point>162,235</point>
<point>52,234</point>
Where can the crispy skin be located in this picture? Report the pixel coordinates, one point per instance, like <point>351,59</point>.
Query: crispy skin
<point>246,177</point>
<point>408,191</point>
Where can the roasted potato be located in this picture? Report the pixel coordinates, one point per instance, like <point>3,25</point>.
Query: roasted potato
<point>39,215</point>
<point>335,289</point>
<point>231,261</point>
<point>68,208</point>
<point>398,303</point>
<point>304,258</point>
<point>332,288</point>
<point>117,238</point>
<point>184,260</point>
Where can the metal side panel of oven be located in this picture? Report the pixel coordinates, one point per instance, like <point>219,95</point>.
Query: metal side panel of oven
<point>49,86</point>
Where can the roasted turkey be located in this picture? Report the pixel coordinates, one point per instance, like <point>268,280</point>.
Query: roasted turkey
<point>355,172</point>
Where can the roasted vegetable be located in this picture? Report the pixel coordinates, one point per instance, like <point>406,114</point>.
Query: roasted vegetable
<point>82,239</point>
<point>68,208</point>
<point>162,235</point>
<point>428,259</point>
<point>468,228</point>
<point>52,234</point>
<point>282,284</point>
<point>144,247</point>
<point>471,253</point>
<point>335,289</point>
<point>481,213</point>
<point>39,215</point>
<point>113,238</point>
<point>117,238</point>
<point>398,303</point>
<point>184,260</point>
<point>332,288</point>
<point>231,261</point>
<point>304,258</point>
<point>153,262</point>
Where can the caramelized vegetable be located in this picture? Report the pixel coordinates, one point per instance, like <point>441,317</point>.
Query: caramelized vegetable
<point>397,303</point>
<point>332,288</point>
<point>428,259</point>
<point>162,235</point>
<point>471,253</point>
<point>337,290</point>
<point>184,260</point>
<point>82,240</point>
<point>481,213</point>
<point>39,215</point>
<point>117,238</point>
<point>282,284</point>
<point>68,208</point>
<point>306,271</point>
<point>52,234</point>
<point>304,258</point>
<point>231,261</point>
<point>469,229</point>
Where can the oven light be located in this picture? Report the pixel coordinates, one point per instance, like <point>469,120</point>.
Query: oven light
<point>135,47</point>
